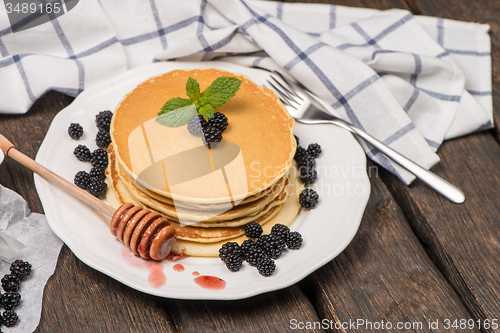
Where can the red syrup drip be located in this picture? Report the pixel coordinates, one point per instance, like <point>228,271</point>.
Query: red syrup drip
<point>175,257</point>
<point>195,273</point>
<point>156,277</point>
<point>210,282</point>
<point>178,268</point>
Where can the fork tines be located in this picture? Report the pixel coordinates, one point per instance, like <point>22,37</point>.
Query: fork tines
<point>286,99</point>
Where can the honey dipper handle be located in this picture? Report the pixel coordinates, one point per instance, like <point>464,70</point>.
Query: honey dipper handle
<point>9,150</point>
<point>5,145</point>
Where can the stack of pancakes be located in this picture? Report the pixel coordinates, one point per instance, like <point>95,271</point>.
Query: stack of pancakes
<point>208,194</point>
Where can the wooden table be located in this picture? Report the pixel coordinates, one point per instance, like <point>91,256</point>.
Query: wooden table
<point>416,258</point>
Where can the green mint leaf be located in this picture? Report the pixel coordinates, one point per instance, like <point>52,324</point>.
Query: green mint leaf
<point>206,111</point>
<point>221,90</point>
<point>193,89</point>
<point>177,117</point>
<point>174,104</point>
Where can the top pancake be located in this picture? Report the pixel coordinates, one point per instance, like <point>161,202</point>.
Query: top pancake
<point>259,126</point>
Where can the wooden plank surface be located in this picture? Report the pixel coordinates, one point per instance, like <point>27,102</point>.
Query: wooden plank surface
<point>80,299</point>
<point>464,240</point>
<point>384,276</point>
<point>270,312</point>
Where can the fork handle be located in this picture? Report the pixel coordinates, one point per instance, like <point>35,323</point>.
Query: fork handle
<point>431,179</point>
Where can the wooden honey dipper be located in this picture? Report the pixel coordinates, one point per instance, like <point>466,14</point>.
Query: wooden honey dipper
<point>145,233</point>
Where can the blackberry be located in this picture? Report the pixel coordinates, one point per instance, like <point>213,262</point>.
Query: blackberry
<point>102,139</point>
<point>82,153</point>
<point>308,198</point>
<point>247,245</point>
<point>75,131</point>
<point>294,240</point>
<point>82,179</point>
<point>266,267</point>
<point>10,283</point>
<point>280,230</point>
<point>211,136</point>
<point>97,187</point>
<point>10,300</point>
<point>234,264</point>
<point>300,153</point>
<point>308,176</point>
<point>230,250</point>
<point>99,158</point>
<point>253,230</point>
<point>9,318</point>
<point>314,150</point>
<point>97,173</point>
<point>218,121</point>
<point>103,120</point>
<point>196,124</point>
<point>262,241</point>
<point>254,255</point>
<point>296,139</point>
<point>272,245</point>
<point>20,268</point>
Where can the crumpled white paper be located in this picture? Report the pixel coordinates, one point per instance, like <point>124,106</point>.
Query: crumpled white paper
<point>26,236</point>
<point>9,246</point>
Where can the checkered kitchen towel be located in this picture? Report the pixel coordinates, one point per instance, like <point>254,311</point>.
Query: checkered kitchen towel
<point>410,81</point>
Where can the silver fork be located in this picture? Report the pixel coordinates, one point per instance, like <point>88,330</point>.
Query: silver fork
<point>299,100</point>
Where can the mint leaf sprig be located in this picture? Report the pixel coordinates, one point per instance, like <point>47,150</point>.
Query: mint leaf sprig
<point>177,111</point>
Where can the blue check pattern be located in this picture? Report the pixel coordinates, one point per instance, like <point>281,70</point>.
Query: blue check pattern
<point>410,81</point>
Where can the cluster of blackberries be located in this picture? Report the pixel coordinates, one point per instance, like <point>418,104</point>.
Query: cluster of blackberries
<point>211,130</point>
<point>93,181</point>
<point>306,160</point>
<point>19,270</point>
<point>103,121</point>
<point>261,252</point>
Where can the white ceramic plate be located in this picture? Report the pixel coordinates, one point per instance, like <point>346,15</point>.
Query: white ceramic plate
<point>342,183</point>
